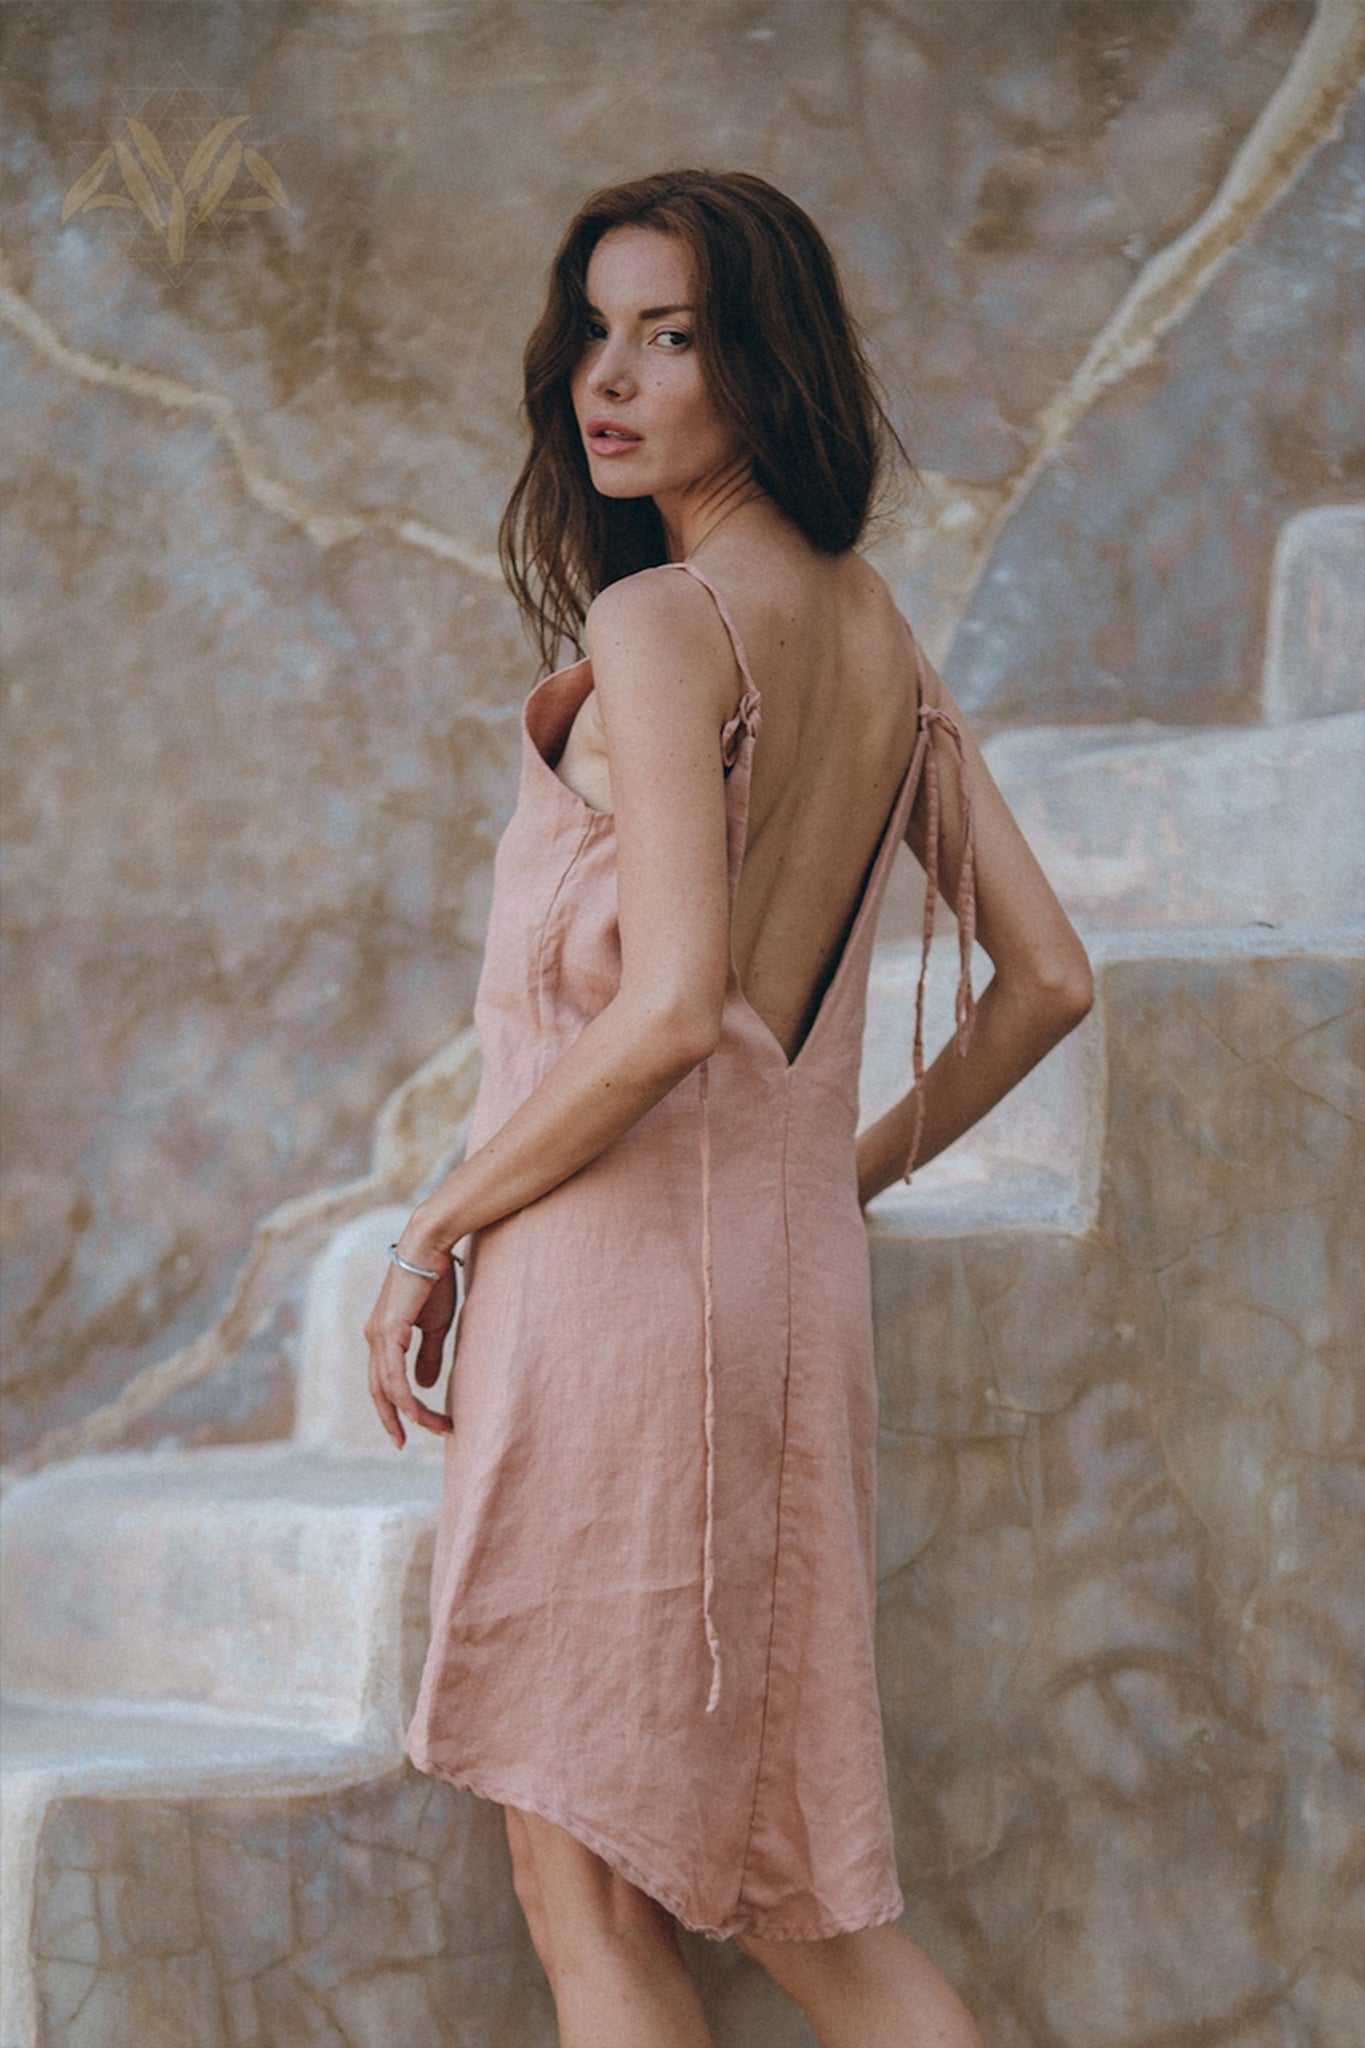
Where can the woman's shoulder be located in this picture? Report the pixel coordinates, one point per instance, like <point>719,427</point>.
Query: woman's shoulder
<point>648,604</point>
<point>645,595</point>
<point>644,627</point>
<point>768,589</point>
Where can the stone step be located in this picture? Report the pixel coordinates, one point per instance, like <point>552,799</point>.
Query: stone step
<point>111,1749</point>
<point>1316,630</point>
<point>1229,1102</point>
<point>235,1890</point>
<point>1034,1163</point>
<point>257,1581</point>
<point>53,1750</point>
<point>1160,827</point>
<point>245,1622</point>
<point>1200,842</point>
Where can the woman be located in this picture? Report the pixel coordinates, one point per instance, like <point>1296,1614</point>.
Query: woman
<point>653,1596</point>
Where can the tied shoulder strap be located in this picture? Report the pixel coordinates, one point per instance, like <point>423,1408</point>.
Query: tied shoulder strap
<point>964,1004</point>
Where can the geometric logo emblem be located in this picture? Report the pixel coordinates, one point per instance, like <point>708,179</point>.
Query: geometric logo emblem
<point>180,177</point>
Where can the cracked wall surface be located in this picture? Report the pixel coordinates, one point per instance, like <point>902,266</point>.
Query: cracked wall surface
<point>1172,490</point>
<point>262,679</point>
<point>1118,1489</point>
<point>318,1922</point>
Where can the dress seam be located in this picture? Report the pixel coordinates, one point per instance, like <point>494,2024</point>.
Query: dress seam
<point>781,1490</point>
<point>542,940</point>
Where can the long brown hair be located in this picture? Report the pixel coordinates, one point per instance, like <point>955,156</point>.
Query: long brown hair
<point>784,361</point>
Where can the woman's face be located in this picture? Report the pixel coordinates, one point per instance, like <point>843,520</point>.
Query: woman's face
<point>640,372</point>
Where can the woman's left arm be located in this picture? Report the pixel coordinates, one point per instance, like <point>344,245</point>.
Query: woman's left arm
<point>666,682</point>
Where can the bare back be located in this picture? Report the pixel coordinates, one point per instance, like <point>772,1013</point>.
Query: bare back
<point>833,661</point>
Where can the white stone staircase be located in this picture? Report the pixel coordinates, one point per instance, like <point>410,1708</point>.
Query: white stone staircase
<point>210,1837</point>
<point>181,1625</point>
<point>1207,842</point>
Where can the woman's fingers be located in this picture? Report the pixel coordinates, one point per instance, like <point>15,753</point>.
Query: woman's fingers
<point>388,1415</point>
<point>393,1396</point>
<point>388,1334</point>
<point>386,1406</point>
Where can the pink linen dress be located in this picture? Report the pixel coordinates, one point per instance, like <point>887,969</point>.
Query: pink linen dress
<point>653,1593</point>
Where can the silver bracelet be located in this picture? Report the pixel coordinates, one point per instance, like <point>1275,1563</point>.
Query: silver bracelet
<point>396,1259</point>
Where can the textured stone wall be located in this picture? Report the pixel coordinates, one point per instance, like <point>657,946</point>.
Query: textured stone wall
<point>262,676</point>
<point>1133,579</point>
<point>1120,1595</point>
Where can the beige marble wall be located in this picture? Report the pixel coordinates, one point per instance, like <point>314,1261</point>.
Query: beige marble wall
<point>262,676</point>
<point>1132,579</point>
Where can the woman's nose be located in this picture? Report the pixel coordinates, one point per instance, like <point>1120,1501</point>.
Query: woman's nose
<point>610,370</point>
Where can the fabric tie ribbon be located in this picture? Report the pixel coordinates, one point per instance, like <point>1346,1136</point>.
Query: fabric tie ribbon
<point>964,1002</point>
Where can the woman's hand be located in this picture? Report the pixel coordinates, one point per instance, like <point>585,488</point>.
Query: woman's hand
<point>406,1304</point>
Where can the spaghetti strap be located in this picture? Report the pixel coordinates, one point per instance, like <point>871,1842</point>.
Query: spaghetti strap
<point>731,628</point>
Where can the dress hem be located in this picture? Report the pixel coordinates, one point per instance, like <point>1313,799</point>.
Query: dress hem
<point>486,1788</point>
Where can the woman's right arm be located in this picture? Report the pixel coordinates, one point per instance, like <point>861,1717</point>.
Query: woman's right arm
<point>1042,985</point>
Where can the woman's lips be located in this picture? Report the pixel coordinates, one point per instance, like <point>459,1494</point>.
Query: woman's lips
<point>612,444</point>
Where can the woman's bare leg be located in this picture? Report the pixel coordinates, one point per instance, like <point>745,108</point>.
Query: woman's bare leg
<point>874,1989</point>
<point>610,1952</point>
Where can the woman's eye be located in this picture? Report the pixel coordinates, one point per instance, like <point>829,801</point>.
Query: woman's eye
<point>594,330</point>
